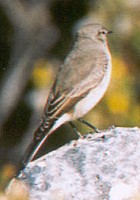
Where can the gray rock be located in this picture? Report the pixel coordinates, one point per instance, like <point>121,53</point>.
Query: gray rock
<point>103,166</point>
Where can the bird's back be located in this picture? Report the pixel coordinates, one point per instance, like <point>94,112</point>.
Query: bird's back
<point>82,66</point>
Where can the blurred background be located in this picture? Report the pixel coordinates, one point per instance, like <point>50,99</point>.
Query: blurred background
<point>35,37</point>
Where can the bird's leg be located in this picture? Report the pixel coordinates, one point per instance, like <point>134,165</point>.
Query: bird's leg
<point>88,124</point>
<point>75,129</point>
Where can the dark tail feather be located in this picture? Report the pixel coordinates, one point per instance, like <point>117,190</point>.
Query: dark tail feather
<point>40,136</point>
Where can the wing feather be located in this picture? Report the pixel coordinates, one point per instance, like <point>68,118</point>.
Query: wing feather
<point>67,91</point>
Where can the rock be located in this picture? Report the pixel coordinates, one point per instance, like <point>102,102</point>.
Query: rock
<point>102,166</point>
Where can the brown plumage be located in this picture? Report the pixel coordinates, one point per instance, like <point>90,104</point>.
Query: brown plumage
<point>80,83</point>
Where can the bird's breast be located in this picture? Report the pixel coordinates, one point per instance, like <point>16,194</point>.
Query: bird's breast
<point>93,97</point>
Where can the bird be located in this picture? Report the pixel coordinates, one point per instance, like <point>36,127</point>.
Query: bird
<point>79,85</point>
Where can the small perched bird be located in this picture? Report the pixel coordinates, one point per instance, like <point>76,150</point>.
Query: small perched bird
<point>80,84</point>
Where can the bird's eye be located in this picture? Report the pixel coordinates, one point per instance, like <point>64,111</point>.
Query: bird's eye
<point>103,32</point>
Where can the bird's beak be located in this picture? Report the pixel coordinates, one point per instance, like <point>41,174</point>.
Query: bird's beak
<point>109,32</point>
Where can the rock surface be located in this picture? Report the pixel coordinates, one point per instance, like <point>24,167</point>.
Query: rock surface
<point>103,166</point>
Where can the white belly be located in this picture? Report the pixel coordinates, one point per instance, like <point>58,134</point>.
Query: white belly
<point>95,95</point>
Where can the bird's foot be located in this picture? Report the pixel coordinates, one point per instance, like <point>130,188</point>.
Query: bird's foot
<point>109,129</point>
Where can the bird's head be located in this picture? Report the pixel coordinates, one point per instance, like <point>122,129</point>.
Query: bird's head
<point>93,31</point>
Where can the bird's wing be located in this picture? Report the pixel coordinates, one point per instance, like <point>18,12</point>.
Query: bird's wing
<point>67,91</point>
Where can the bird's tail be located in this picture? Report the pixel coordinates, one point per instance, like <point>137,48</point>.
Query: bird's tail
<point>40,136</point>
